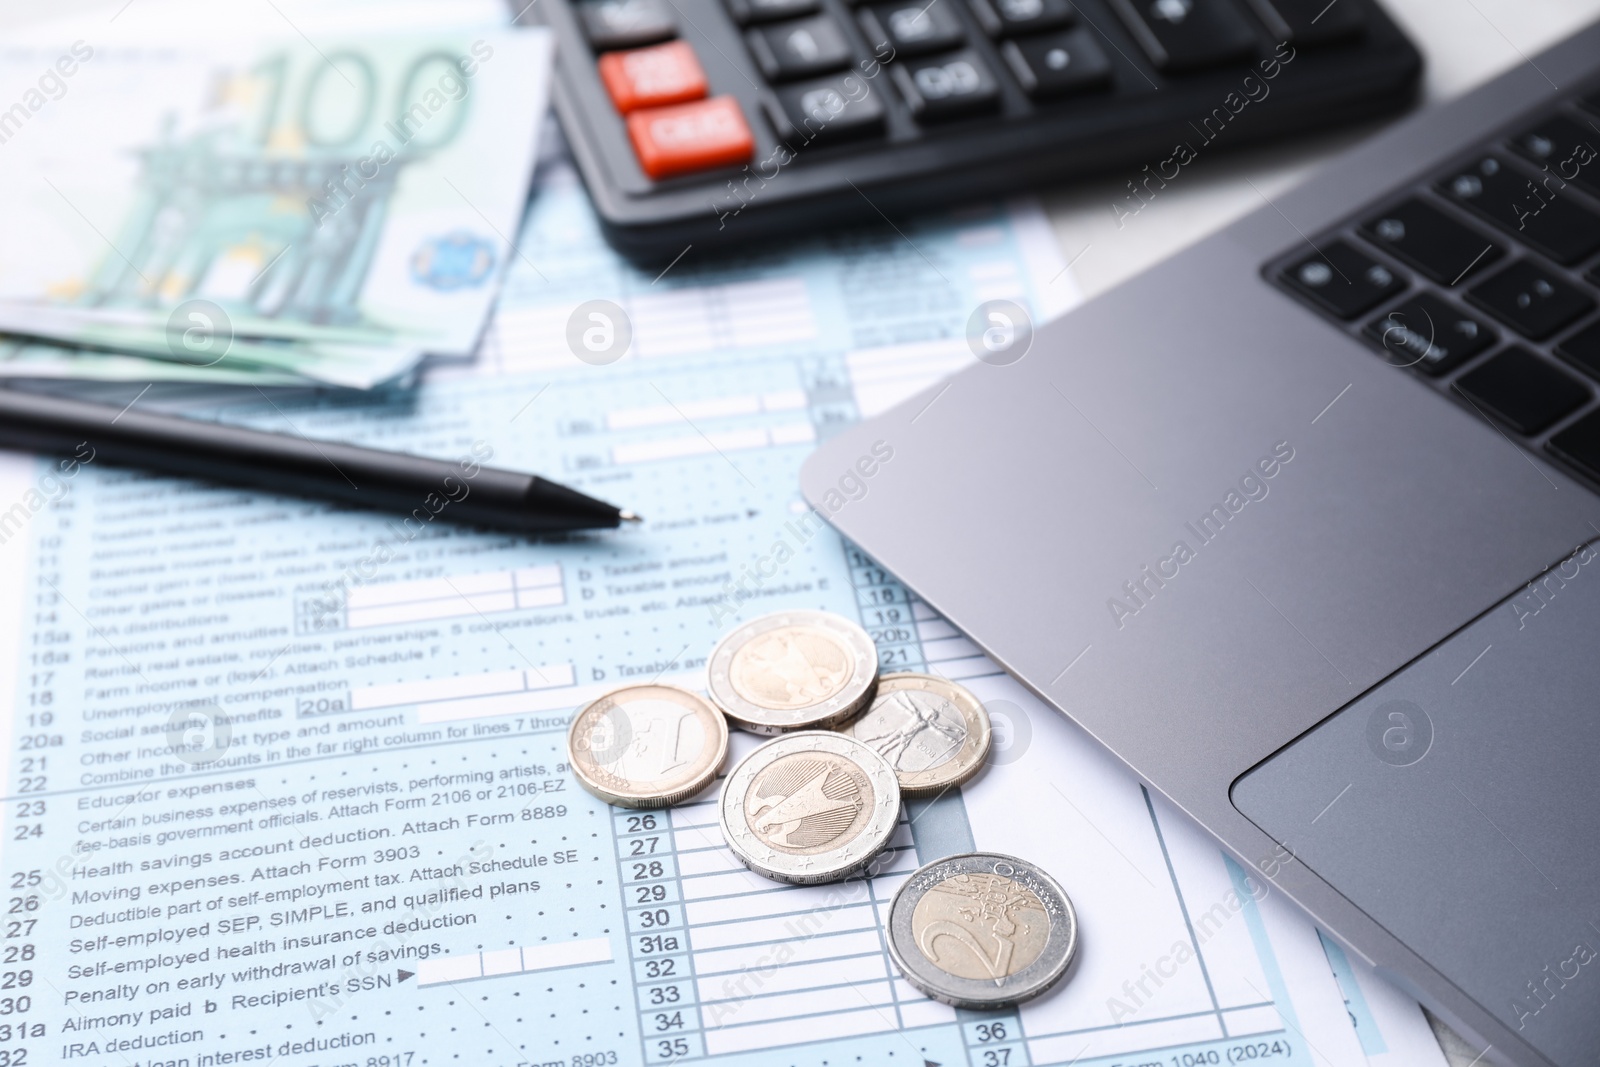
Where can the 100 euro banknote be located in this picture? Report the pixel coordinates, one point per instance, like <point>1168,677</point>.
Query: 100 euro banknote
<point>345,193</point>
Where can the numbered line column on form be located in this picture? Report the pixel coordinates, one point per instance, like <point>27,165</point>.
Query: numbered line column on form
<point>658,936</point>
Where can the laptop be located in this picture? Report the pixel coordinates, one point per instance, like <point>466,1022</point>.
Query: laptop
<point>1302,524</point>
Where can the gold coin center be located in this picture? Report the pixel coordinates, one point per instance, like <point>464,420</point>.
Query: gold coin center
<point>790,668</point>
<point>980,926</point>
<point>809,802</point>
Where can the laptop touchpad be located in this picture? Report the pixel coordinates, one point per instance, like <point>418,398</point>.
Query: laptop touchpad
<point>1457,804</point>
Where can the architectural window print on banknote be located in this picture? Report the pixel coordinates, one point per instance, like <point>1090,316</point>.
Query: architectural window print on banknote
<point>391,864</point>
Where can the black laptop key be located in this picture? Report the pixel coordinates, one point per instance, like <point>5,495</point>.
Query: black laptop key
<point>786,51</point>
<point>913,28</point>
<point>1523,391</point>
<point>626,23</point>
<point>1579,444</point>
<point>1583,349</point>
<point>832,109</point>
<point>1429,334</point>
<point>1547,221</point>
<point>948,86</point>
<point>748,11</point>
<point>1343,280</point>
<point>1431,241</point>
<point>1185,35</point>
<point>1565,149</point>
<point>1530,299</point>
<point>1058,64</point>
<point>1007,18</point>
<point>1320,22</point>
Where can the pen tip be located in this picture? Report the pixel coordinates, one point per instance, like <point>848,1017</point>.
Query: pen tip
<point>627,516</point>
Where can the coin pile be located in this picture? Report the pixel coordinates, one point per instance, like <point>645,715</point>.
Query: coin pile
<point>822,798</point>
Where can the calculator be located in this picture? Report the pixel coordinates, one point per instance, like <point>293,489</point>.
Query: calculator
<point>717,123</point>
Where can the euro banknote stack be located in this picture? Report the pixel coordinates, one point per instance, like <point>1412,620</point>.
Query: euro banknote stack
<point>312,207</point>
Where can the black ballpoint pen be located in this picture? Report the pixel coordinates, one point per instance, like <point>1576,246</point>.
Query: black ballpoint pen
<point>463,491</point>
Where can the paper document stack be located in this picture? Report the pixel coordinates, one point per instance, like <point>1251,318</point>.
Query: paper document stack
<point>326,206</point>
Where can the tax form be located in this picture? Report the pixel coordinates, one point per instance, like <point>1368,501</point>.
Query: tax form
<point>286,782</point>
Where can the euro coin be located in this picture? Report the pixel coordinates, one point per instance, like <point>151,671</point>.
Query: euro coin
<point>933,732</point>
<point>809,807</point>
<point>982,930</point>
<point>647,746</point>
<point>793,670</point>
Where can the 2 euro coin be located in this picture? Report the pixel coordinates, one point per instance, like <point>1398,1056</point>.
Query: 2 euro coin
<point>982,930</point>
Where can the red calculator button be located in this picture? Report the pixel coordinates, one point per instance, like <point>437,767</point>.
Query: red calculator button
<point>653,77</point>
<point>689,137</point>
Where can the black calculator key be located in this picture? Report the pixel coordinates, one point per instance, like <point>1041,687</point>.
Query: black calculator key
<point>1006,18</point>
<point>1583,348</point>
<point>1429,334</point>
<point>748,11</point>
<point>1579,444</point>
<point>947,86</point>
<point>1057,64</point>
<point>1549,223</point>
<point>1190,34</point>
<point>626,23</point>
<point>1523,391</point>
<point>1320,22</point>
<point>1431,241</point>
<point>1344,281</point>
<point>790,50</point>
<point>1566,147</point>
<point>843,106</point>
<point>913,28</point>
<point>1530,299</point>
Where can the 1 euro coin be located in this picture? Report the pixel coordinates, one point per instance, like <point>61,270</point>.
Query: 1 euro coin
<point>982,930</point>
<point>933,732</point>
<point>809,807</point>
<point>793,670</point>
<point>647,746</point>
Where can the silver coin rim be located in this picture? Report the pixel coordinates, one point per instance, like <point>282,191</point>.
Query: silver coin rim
<point>836,710</point>
<point>954,771</point>
<point>981,993</point>
<point>655,800</point>
<point>845,861</point>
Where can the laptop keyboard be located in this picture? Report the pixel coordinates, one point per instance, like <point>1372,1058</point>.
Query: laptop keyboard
<point>1484,281</point>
